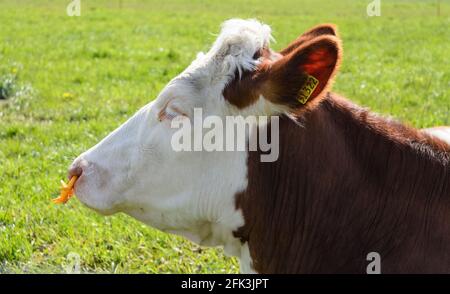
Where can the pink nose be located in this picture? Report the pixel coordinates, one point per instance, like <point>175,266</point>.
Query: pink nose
<point>76,169</point>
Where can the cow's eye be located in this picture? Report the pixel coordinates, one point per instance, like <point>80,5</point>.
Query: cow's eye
<point>170,112</point>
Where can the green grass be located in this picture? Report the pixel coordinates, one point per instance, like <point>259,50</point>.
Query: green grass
<point>75,79</point>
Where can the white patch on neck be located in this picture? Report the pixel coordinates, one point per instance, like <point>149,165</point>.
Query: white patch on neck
<point>246,262</point>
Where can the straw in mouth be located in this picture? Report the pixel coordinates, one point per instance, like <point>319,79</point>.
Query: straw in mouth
<point>66,191</point>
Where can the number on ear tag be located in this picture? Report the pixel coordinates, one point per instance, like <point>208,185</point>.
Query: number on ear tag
<point>307,89</point>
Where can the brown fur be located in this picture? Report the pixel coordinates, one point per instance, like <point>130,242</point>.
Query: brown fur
<point>348,182</point>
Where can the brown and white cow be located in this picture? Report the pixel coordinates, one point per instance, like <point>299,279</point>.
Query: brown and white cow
<point>347,182</point>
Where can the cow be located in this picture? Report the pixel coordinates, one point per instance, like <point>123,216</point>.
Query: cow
<point>347,182</point>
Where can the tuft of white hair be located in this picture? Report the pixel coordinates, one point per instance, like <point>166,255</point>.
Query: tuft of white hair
<point>237,43</point>
<point>232,52</point>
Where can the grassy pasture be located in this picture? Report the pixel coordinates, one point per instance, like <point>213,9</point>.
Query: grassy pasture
<point>71,80</point>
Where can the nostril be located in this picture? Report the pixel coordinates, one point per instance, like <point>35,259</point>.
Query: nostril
<point>76,169</point>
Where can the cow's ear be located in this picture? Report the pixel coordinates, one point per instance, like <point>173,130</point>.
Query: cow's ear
<point>303,76</point>
<point>320,30</point>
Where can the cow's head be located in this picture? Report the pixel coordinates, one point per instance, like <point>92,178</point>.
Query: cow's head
<point>135,169</point>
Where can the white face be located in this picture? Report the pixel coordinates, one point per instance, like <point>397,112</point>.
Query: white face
<point>135,169</point>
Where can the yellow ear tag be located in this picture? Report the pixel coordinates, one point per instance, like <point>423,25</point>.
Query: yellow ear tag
<point>307,89</point>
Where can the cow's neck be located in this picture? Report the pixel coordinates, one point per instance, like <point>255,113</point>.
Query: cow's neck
<point>347,183</point>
